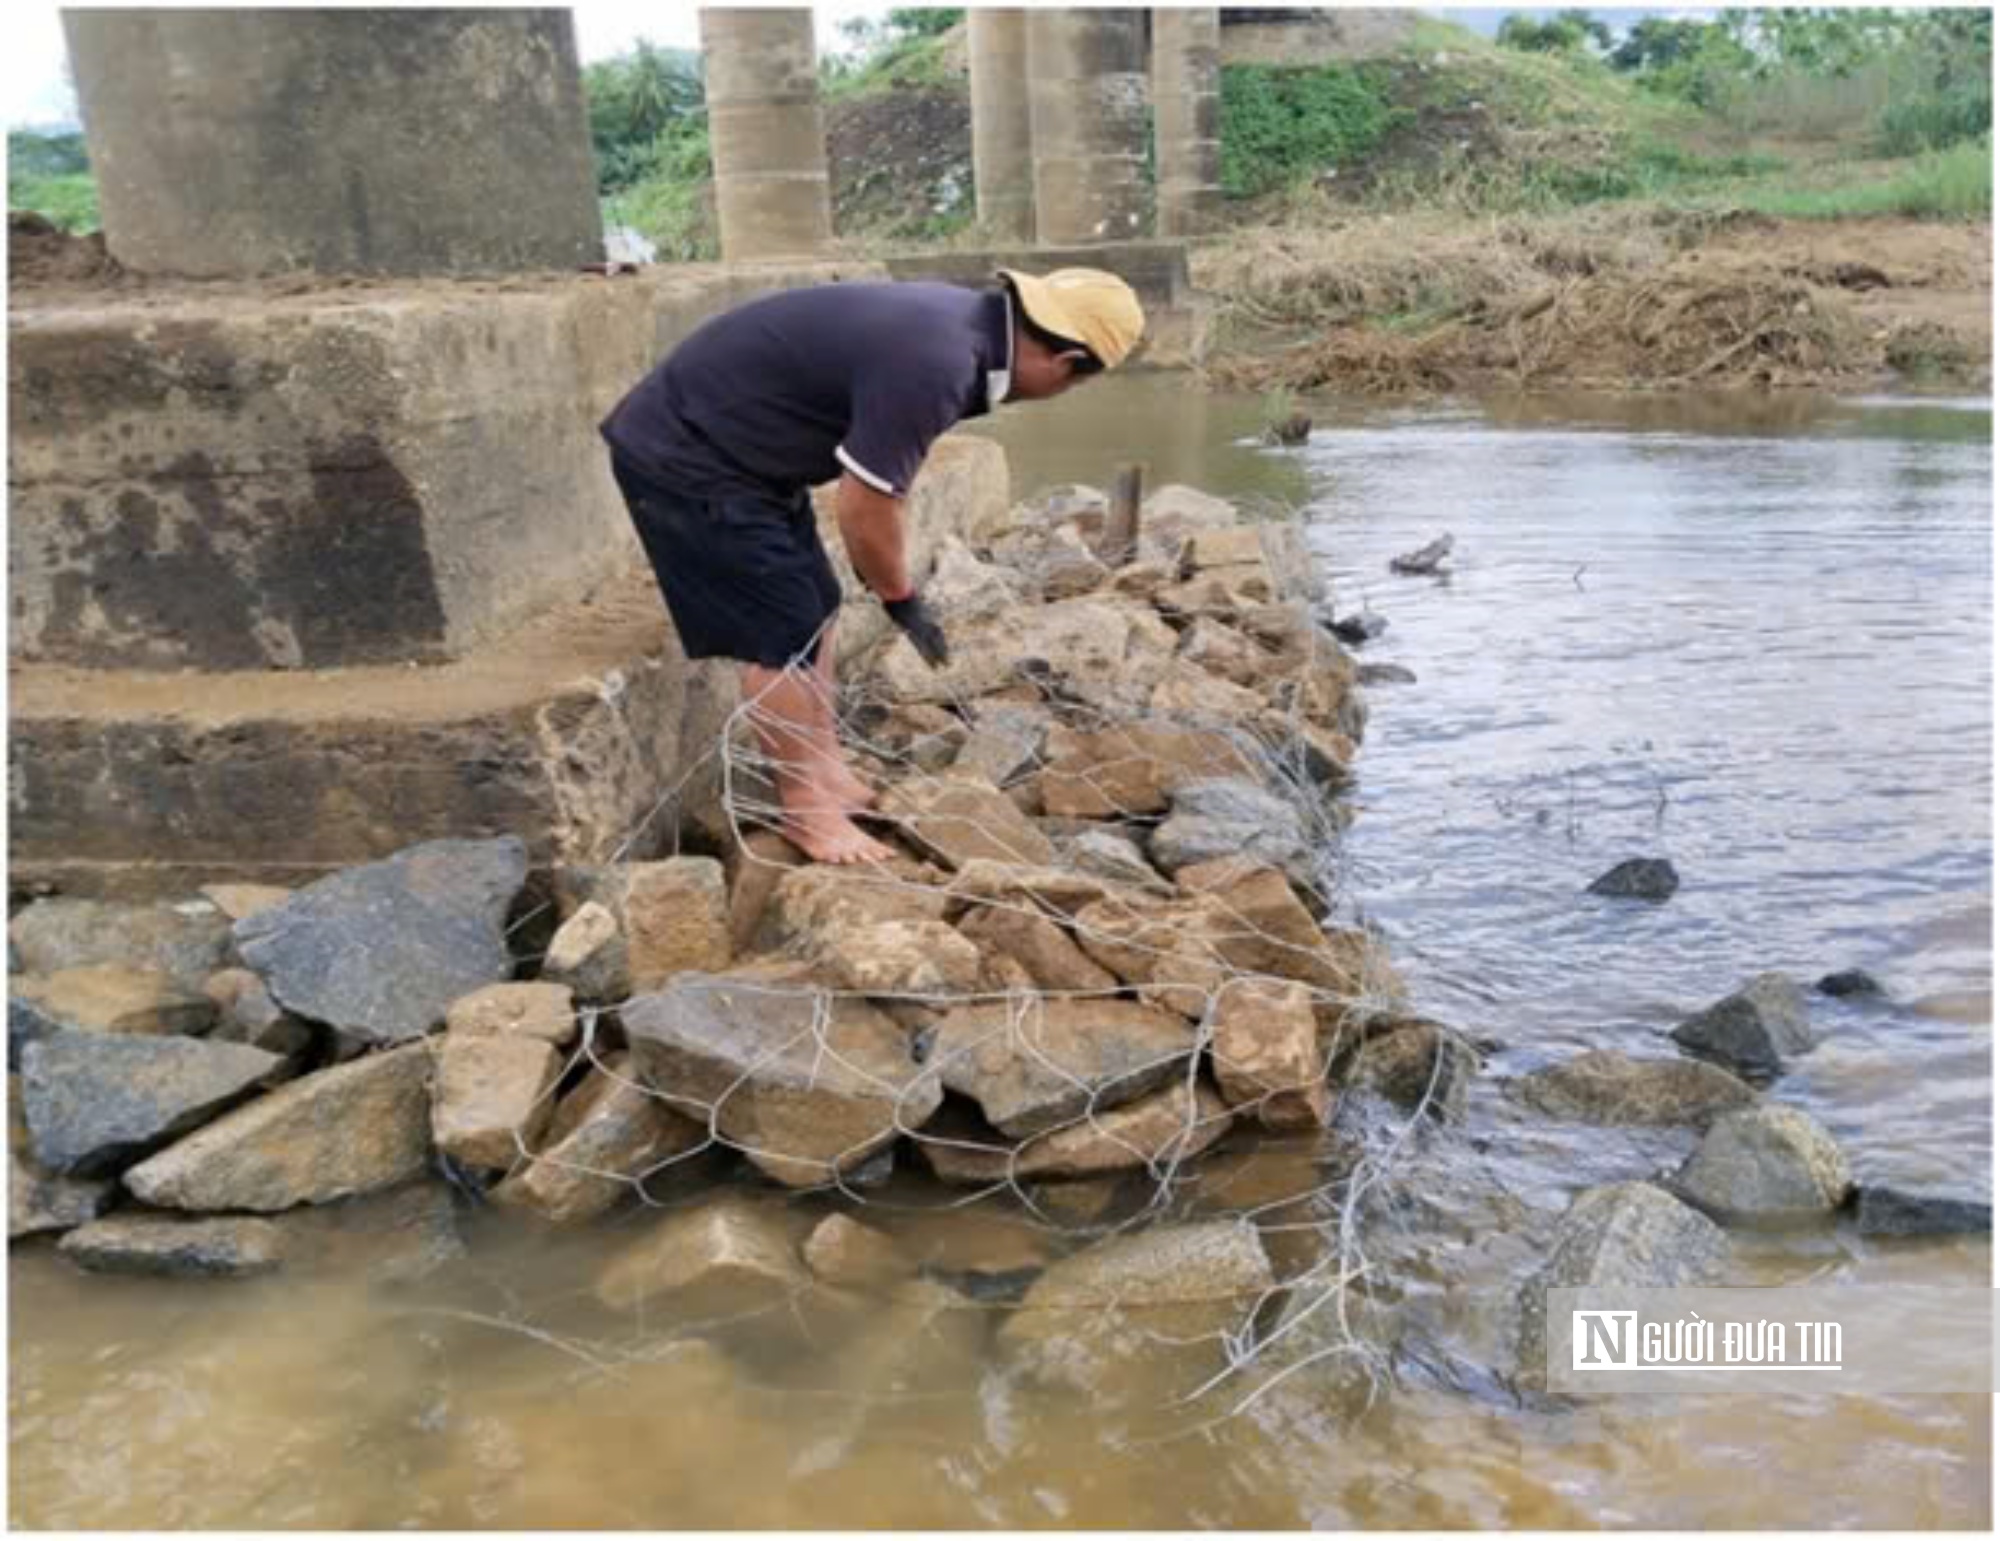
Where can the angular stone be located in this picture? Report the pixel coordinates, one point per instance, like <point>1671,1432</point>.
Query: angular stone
<point>1643,877</point>
<point>1225,652</point>
<point>674,914</point>
<point>1047,953</point>
<point>189,942</point>
<point>1239,546</point>
<point>1145,578</point>
<point>962,588</point>
<point>1132,769</point>
<point>1753,1030</point>
<point>1112,857</point>
<point>1054,890</point>
<point>1052,1062</point>
<point>841,1250</point>
<point>1220,594</point>
<point>169,1246</point>
<point>1189,693</point>
<point>727,1255</point>
<point>912,736</point>
<point>246,1013</point>
<point>492,1098</point>
<point>1606,1087</point>
<point>1628,1235</point>
<point>1163,949</point>
<point>587,956</point>
<point>961,818</point>
<point>39,1201</point>
<point>1308,753</point>
<point>1418,1065</point>
<point>1892,1212</point>
<point>1765,1165</point>
<point>1005,742</point>
<point>1849,982</point>
<point>1385,674</point>
<point>1174,512</point>
<point>528,1009</point>
<point>606,1138</point>
<point>1108,654</point>
<point>1256,923</point>
<point>1228,817</point>
<point>379,952</point>
<point>1157,1132</point>
<point>1265,1051</point>
<point>96,1101</point>
<point>352,1129</point>
<point>1169,1292</point>
<point>805,1084</point>
<point>398,1236</point>
<point>873,931</point>
<point>112,998</point>
<point>758,860</point>
<point>239,901</point>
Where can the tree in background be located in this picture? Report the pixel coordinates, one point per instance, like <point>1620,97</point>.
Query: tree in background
<point>638,100</point>
<point>1565,32</point>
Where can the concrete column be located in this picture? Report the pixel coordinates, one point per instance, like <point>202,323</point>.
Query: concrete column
<point>765,133</point>
<point>1088,107</point>
<point>1187,119</point>
<point>1003,161</point>
<point>394,142</point>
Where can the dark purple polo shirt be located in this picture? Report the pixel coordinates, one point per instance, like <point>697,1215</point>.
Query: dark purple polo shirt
<point>787,391</point>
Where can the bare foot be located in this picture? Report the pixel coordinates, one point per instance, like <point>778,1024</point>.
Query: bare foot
<point>829,835</point>
<point>854,793</point>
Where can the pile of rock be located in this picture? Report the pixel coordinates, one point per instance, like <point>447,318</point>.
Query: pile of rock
<point>1098,949</point>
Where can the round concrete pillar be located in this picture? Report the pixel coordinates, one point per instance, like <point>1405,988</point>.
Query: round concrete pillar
<point>1003,162</point>
<point>765,133</point>
<point>1187,119</point>
<point>1088,109</point>
<point>397,142</point>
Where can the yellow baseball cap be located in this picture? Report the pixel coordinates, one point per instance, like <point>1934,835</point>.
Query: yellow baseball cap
<point>1087,306</point>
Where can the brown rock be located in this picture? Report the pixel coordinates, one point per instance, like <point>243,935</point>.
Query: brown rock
<point>587,955</point>
<point>1055,890</point>
<point>675,916</point>
<point>726,1256</point>
<point>1240,546</point>
<point>1221,594</point>
<point>524,1009</point>
<point>240,900</point>
<point>843,1251</point>
<point>1005,742</point>
<point>1163,949</point>
<point>493,1097</point>
<point>1051,959</point>
<point>961,818</point>
<point>1132,769</point>
<point>1418,1065</point>
<point>1145,579</point>
<point>874,930</point>
<point>1048,1063</point>
<point>914,736</point>
<point>111,998</point>
<point>1265,1051</point>
<point>1157,1131</point>
<point>758,860</point>
<point>1225,652</point>
<point>1192,694</point>
<point>606,1137</point>
<point>172,1246</point>
<point>1606,1087</point>
<point>39,1200</point>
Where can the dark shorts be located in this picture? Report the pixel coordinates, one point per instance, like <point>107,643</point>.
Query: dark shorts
<point>744,574</point>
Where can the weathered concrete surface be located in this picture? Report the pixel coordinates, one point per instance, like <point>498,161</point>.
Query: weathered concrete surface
<point>374,141</point>
<point>1187,118</point>
<point>769,141</point>
<point>1089,115</point>
<point>1003,165</point>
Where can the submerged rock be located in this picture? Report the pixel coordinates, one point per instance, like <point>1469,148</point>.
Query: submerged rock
<point>380,952</point>
<point>804,1083</point>
<point>39,1201</point>
<point>95,1101</point>
<point>1893,1212</point>
<point>175,1247</point>
<point>1384,674</point>
<point>1754,1030</point>
<point>398,1236</point>
<point>1417,1065</point>
<point>1355,630</point>
<point>1606,1087</point>
<point>352,1129</point>
<point>841,1250</point>
<point>1158,1131</point>
<point>728,1255</point>
<point>607,1136</point>
<point>1643,877</point>
<point>1170,1293</point>
<point>1766,1165</point>
<point>187,941</point>
<point>1849,982</point>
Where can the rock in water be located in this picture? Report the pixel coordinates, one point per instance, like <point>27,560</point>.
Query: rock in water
<point>1606,1087</point>
<point>1892,1212</point>
<point>352,1129</point>
<point>1623,1235</point>
<point>1358,629</point>
<point>96,1101</point>
<point>189,941</point>
<point>841,1250</point>
<point>1643,877</point>
<point>1753,1030</point>
<point>1266,1054</point>
<point>1169,1292</point>
<point>727,1255</point>
<point>1767,1165</point>
<point>380,952</point>
<point>1419,1065</point>
<point>39,1201</point>
<point>1849,982</point>
<point>802,1082</point>
<point>171,1246</point>
<point>1385,674</point>
<point>607,1136</point>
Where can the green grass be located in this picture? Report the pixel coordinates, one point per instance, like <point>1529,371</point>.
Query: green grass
<point>1282,125</point>
<point>69,201</point>
<point>1947,184</point>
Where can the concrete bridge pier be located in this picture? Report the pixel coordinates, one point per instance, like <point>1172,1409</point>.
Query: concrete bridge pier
<point>766,133</point>
<point>1003,152</point>
<point>231,142</point>
<point>1187,122</point>
<point>1089,110</point>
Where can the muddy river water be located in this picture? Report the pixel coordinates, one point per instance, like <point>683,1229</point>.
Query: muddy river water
<point>1753,639</point>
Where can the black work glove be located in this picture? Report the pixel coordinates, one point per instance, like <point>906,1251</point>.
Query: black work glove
<point>921,627</point>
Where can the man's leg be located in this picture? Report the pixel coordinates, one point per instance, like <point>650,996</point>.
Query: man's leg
<point>855,793</point>
<point>794,722</point>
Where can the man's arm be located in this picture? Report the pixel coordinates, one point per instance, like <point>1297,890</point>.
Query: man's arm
<point>871,527</point>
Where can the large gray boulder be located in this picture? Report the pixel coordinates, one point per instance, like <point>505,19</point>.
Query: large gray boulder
<point>97,1101</point>
<point>805,1083</point>
<point>1053,1060</point>
<point>189,941</point>
<point>175,1247</point>
<point>1170,1293</point>
<point>1233,817</point>
<point>354,1129</point>
<point>1754,1030</point>
<point>1893,1212</point>
<point>1766,1166</point>
<point>1606,1087</point>
<point>380,952</point>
